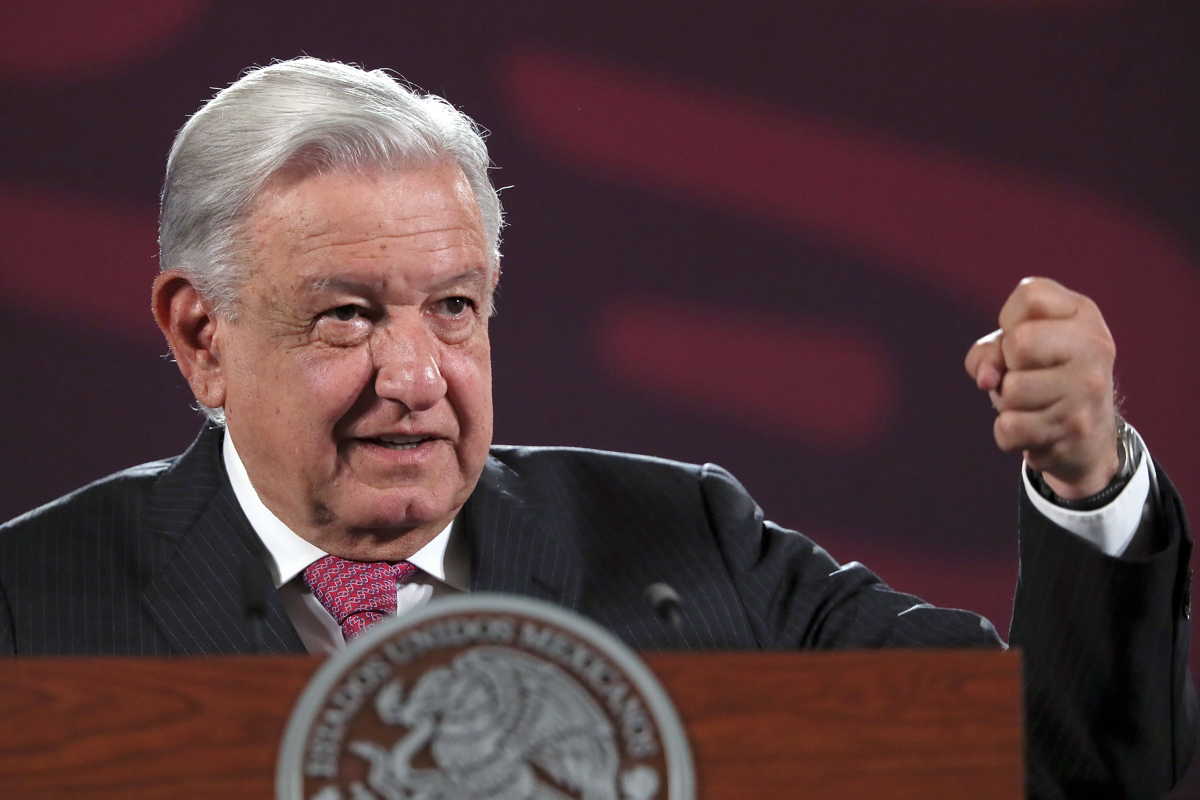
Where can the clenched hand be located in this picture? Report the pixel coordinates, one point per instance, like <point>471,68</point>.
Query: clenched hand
<point>1049,371</point>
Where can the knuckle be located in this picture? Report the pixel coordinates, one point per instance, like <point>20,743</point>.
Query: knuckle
<point>1088,306</point>
<point>1019,344</point>
<point>975,356</point>
<point>1038,291</point>
<point>1016,387</point>
<point>1095,383</point>
<point>1107,348</point>
<point>1005,432</point>
<point>1032,283</point>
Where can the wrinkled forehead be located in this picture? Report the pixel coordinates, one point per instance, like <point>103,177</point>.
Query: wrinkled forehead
<point>355,221</point>
<point>306,206</point>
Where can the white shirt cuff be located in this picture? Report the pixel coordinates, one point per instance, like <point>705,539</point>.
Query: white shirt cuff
<point>1111,527</point>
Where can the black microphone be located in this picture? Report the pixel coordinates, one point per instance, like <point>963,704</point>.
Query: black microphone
<point>665,601</point>
<point>255,579</point>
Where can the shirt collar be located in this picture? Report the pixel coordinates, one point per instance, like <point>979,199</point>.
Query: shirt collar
<point>288,554</point>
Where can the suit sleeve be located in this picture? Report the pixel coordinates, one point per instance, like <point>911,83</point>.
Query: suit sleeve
<point>1111,712</point>
<point>796,595</point>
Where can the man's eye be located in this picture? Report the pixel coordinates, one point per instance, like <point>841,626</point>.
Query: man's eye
<point>345,313</point>
<point>456,305</point>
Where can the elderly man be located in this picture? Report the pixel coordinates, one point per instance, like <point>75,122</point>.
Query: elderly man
<point>329,245</point>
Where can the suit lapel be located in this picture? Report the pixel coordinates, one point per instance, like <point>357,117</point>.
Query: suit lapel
<point>515,546</point>
<point>195,597</point>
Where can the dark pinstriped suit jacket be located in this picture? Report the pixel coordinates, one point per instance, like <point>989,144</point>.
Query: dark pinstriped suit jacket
<point>147,562</point>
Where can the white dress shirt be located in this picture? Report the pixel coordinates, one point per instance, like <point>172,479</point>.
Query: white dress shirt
<point>1111,527</point>
<point>444,564</point>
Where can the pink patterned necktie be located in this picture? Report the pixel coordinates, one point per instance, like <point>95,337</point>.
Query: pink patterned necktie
<point>357,593</point>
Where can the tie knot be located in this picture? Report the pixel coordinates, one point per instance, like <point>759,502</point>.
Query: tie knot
<point>356,593</point>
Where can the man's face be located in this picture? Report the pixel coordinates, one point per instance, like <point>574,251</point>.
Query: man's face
<point>357,377</point>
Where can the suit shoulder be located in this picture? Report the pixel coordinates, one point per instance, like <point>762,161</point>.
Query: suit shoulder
<point>537,459</point>
<point>570,474</point>
<point>112,497</point>
<point>582,460</point>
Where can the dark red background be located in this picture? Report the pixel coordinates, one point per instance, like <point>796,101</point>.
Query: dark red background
<point>760,234</point>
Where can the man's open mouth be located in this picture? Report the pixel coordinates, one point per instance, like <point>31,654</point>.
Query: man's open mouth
<point>395,442</point>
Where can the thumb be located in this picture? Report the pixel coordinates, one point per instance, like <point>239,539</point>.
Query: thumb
<point>985,362</point>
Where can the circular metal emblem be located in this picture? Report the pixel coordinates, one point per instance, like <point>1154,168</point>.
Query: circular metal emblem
<point>484,697</point>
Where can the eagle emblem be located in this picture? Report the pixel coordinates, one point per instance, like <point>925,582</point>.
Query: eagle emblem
<point>485,698</point>
<point>500,725</point>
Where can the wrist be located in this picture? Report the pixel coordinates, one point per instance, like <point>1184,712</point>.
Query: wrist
<point>1129,455</point>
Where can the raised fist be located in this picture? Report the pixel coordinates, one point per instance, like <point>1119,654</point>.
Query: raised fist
<point>1049,371</point>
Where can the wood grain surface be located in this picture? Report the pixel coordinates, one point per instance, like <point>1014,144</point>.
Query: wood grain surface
<point>880,725</point>
<point>895,724</point>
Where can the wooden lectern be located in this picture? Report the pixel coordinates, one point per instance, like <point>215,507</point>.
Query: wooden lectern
<point>876,725</point>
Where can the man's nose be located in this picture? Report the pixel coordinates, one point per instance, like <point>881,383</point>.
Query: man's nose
<point>406,356</point>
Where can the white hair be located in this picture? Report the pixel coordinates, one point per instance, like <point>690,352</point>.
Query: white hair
<point>307,115</point>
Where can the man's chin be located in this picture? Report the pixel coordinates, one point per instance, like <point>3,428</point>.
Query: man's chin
<point>395,513</point>
<point>382,543</point>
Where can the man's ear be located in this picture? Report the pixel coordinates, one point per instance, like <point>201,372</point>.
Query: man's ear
<point>191,330</point>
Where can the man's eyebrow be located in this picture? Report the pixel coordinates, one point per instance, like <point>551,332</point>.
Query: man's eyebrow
<point>329,283</point>
<point>474,277</point>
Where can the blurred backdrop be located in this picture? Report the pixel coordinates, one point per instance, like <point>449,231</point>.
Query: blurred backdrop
<point>762,234</point>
